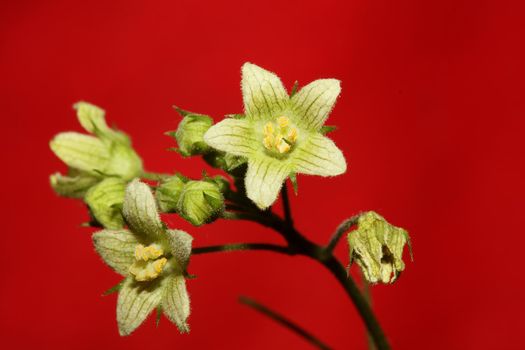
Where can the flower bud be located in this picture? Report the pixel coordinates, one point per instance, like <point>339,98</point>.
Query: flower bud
<point>377,246</point>
<point>200,202</point>
<point>105,201</point>
<point>189,134</point>
<point>168,193</point>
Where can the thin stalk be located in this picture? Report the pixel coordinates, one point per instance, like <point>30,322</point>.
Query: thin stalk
<point>241,246</point>
<point>286,206</point>
<point>154,176</point>
<point>284,322</point>
<point>340,231</point>
<point>368,296</point>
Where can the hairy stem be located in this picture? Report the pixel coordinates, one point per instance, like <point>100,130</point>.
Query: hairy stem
<point>300,245</point>
<point>286,206</point>
<point>368,296</point>
<point>340,231</point>
<point>284,322</point>
<point>241,246</point>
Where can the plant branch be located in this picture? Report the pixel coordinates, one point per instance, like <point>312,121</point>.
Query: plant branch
<point>154,176</point>
<point>286,206</point>
<point>340,231</point>
<point>284,322</point>
<point>241,246</point>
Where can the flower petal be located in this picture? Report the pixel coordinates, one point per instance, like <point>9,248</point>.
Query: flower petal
<point>319,156</point>
<point>92,119</point>
<point>263,92</point>
<point>176,301</point>
<point>233,136</point>
<point>140,210</point>
<point>264,179</point>
<point>180,244</point>
<point>116,248</point>
<point>105,201</point>
<point>83,152</point>
<point>313,103</point>
<point>135,302</point>
<point>72,186</point>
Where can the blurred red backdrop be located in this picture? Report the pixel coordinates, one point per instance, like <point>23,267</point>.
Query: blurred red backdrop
<point>430,120</point>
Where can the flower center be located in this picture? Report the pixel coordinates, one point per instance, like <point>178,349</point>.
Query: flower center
<point>149,262</point>
<point>279,137</point>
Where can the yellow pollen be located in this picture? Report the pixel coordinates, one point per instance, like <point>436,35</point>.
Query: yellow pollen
<point>159,264</point>
<point>283,122</point>
<point>146,253</point>
<point>279,136</point>
<point>292,135</point>
<point>268,129</point>
<point>283,147</point>
<point>147,266</point>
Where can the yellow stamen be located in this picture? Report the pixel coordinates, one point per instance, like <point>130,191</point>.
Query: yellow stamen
<point>292,135</point>
<point>268,141</point>
<point>159,264</point>
<point>268,129</point>
<point>281,137</point>
<point>283,122</point>
<point>283,147</point>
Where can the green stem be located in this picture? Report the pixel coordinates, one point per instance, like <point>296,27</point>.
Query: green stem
<point>154,176</point>
<point>340,231</point>
<point>284,322</point>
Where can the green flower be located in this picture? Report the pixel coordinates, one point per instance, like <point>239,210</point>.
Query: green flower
<point>152,259</point>
<point>91,158</point>
<point>377,246</point>
<point>279,135</point>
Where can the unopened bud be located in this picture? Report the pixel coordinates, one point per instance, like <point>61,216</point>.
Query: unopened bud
<point>189,134</point>
<point>168,193</point>
<point>200,202</point>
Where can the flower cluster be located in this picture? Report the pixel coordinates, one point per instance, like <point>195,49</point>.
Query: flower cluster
<point>278,136</point>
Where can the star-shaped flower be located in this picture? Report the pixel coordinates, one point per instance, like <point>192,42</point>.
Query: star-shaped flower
<point>279,135</point>
<point>152,259</point>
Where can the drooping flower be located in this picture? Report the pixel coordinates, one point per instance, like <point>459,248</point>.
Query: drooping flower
<point>279,135</point>
<point>107,153</point>
<point>153,260</point>
<point>377,247</point>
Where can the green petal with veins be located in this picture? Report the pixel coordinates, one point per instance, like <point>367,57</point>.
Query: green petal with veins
<point>83,152</point>
<point>176,301</point>
<point>105,200</point>
<point>314,102</point>
<point>72,186</point>
<point>92,119</point>
<point>319,155</point>
<point>135,302</point>
<point>140,210</point>
<point>124,163</point>
<point>264,179</point>
<point>263,93</point>
<point>116,248</point>
<point>234,136</point>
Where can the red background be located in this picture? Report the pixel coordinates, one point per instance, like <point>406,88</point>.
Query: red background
<point>430,120</point>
